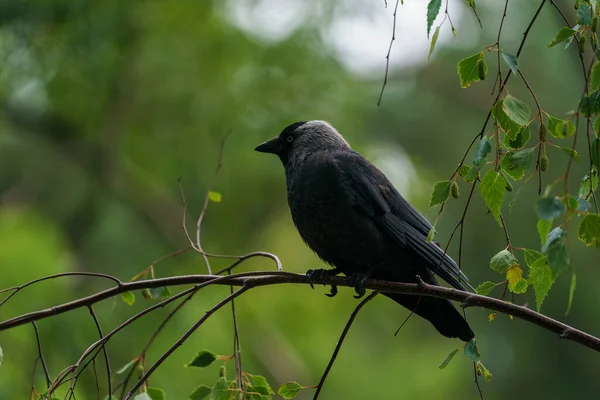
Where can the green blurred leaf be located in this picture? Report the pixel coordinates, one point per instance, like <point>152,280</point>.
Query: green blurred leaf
<point>487,375</point>
<point>586,182</point>
<point>156,393</point>
<point>584,15</point>
<point>203,359</point>
<point>468,69</point>
<point>590,105</point>
<point>160,292</point>
<point>549,208</point>
<point>582,204</point>
<point>485,288</point>
<point>543,227</point>
<point>430,235</point>
<point>541,278</point>
<point>215,196</point>
<point>589,230</point>
<point>127,366</point>
<point>572,153</point>
<point>142,396</point>
<point>560,128</point>
<point>595,82</point>
<point>200,393</point>
<point>511,60</point>
<point>1,355</point>
<point>558,256</point>
<point>128,298</point>
<point>448,358</point>
<point>433,42</point>
<point>441,193</point>
<point>221,390</point>
<point>289,390</point>
<point>493,188</point>
<point>509,127</point>
<point>571,292</point>
<point>595,150</point>
<point>433,9</point>
<point>562,35</point>
<point>502,261</point>
<point>472,351</point>
<point>520,139</point>
<point>516,110</point>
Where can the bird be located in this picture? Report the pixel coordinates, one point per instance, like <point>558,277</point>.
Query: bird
<point>348,212</point>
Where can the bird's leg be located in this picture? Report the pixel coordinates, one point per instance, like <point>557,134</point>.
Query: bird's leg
<point>320,276</point>
<point>357,280</point>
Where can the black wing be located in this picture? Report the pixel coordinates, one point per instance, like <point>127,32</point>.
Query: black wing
<point>376,197</point>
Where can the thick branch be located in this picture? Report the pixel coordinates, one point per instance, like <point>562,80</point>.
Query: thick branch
<point>264,278</point>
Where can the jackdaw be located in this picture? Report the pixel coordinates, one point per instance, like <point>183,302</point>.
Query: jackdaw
<point>354,219</point>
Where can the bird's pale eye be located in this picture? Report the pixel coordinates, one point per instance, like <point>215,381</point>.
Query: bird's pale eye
<point>290,138</point>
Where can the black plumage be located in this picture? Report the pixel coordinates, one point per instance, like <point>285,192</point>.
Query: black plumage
<point>349,213</point>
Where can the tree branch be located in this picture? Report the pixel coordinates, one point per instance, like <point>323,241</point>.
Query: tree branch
<point>265,278</point>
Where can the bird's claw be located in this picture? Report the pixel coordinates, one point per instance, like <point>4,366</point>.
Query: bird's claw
<point>321,276</point>
<point>357,280</point>
<point>333,292</point>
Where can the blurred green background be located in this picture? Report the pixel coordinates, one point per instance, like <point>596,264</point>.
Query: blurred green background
<point>105,104</point>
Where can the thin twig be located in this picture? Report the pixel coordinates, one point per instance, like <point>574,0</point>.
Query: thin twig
<point>338,346</point>
<point>387,57</point>
<point>106,361</point>
<point>41,355</point>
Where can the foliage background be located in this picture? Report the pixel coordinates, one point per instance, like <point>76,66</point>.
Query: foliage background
<point>105,104</point>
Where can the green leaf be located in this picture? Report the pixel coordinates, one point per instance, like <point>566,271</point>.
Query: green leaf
<point>521,286</point>
<point>128,298</point>
<point>441,193</point>
<point>584,188</point>
<point>514,172</point>
<point>502,261</point>
<point>200,393</point>
<point>485,288</point>
<point>543,228</point>
<point>590,105</point>
<point>483,149</point>
<point>487,375</point>
<point>142,396</point>
<point>549,208</point>
<point>468,69</point>
<point>509,127</point>
<point>289,390</point>
<point>156,393</point>
<point>472,351</point>
<point>433,42</point>
<point>582,204</point>
<point>517,111</point>
<point>595,150</point>
<point>589,230</point>
<point>562,35</point>
<point>160,292</point>
<point>493,188</point>
<point>531,256</point>
<point>433,9</point>
<point>261,385</point>
<point>513,276</point>
<point>541,278</point>
<point>514,163</point>
<point>520,139</point>
<point>558,256</point>
<point>215,196</point>
<point>595,82</point>
<point>203,359</point>
<point>127,366</point>
<point>430,235</point>
<point>220,390</point>
<point>560,128</point>
<point>571,152</point>
<point>584,15</point>
<point>511,60</point>
<point>448,358</point>
<point>571,292</point>
<point>1,355</point>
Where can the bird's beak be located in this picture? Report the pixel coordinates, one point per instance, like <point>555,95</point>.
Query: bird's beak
<point>272,146</point>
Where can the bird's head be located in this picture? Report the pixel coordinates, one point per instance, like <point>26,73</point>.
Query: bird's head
<point>303,138</point>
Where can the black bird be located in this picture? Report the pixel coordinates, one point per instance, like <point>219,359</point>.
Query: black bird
<point>349,213</point>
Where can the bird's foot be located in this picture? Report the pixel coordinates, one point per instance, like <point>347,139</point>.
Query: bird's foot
<point>357,280</point>
<point>321,276</point>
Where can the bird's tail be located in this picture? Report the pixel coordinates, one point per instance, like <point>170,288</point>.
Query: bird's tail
<point>440,312</point>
